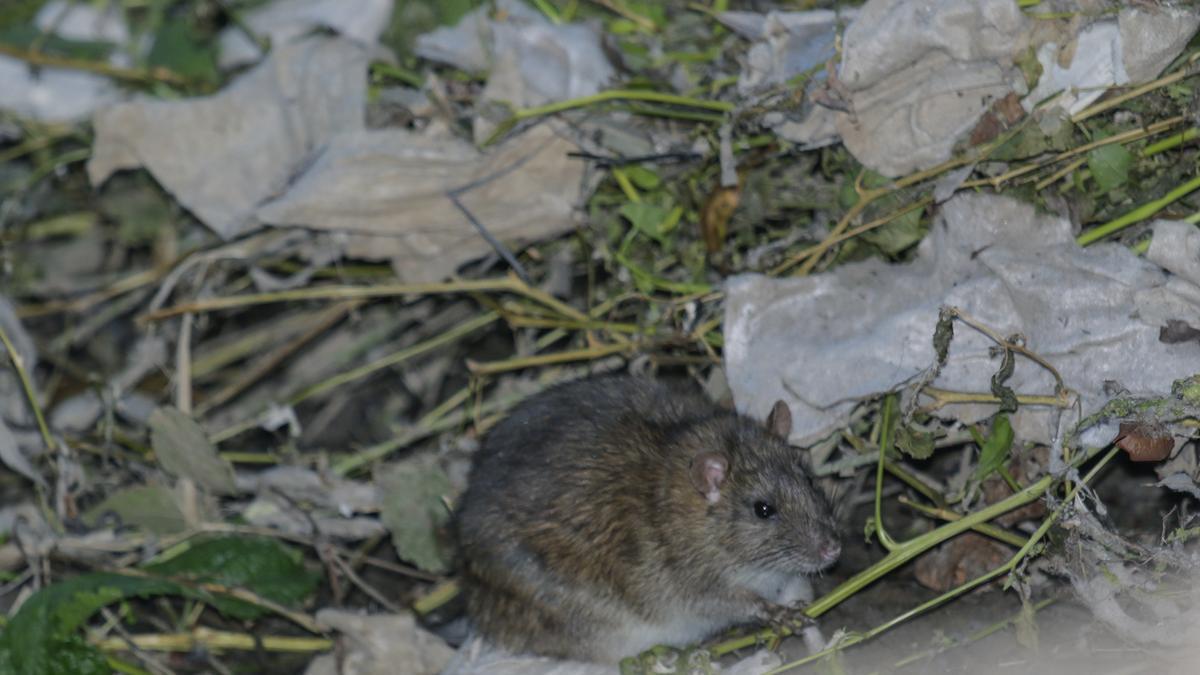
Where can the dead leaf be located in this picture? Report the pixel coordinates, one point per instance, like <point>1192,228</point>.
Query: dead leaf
<point>380,644</point>
<point>150,507</point>
<point>414,512</point>
<point>1144,442</point>
<point>714,217</point>
<point>184,451</point>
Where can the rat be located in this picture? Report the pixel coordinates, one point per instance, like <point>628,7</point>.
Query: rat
<point>608,515</point>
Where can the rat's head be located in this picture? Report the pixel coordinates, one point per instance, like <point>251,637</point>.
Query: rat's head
<point>763,506</point>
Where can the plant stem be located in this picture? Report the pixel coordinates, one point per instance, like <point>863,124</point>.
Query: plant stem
<point>1139,214</point>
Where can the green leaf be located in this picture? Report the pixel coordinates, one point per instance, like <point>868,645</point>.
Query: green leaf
<point>647,218</point>
<point>41,639</point>
<point>1031,68</point>
<point>24,36</point>
<point>642,177</point>
<point>993,452</point>
<point>150,507</point>
<point>915,444</point>
<point>180,48</point>
<point>259,564</point>
<point>1109,165</point>
<point>413,511</point>
<point>900,233</point>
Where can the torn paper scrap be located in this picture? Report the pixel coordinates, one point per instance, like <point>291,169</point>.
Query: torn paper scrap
<point>387,190</point>
<point>1132,49</point>
<point>920,75</point>
<point>786,45</point>
<point>823,343</point>
<point>529,60</point>
<point>222,156</point>
<point>283,21</point>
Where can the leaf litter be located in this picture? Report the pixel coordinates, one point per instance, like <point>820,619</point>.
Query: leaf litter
<point>319,248</point>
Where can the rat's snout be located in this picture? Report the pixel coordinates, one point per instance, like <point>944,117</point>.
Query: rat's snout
<point>829,550</point>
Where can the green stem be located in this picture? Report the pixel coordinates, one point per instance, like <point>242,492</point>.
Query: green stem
<point>1032,492</point>
<point>1139,214</point>
<point>885,444</point>
<point>610,95</point>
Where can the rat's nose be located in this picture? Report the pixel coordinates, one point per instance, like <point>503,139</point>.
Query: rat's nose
<point>830,550</point>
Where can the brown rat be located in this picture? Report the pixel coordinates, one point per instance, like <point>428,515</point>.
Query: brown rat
<point>609,515</point>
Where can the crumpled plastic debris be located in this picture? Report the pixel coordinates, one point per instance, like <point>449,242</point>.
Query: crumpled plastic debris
<point>393,184</point>
<point>919,75</point>
<point>788,44</point>
<point>285,145</point>
<point>529,60</point>
<point>283,21</point>
<point>59,94</point>
<point>823,343</point>
<point>224,155</point>
<point>1108,53</point>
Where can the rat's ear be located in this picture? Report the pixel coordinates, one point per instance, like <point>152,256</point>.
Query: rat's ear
<point>779,422</point>
<point>708,471</point>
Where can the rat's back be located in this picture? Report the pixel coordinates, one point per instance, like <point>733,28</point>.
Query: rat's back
<point>547,562</point>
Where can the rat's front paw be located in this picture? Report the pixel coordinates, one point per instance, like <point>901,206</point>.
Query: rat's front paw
<point>783,620</point>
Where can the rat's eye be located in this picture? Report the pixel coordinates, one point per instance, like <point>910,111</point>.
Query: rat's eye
<point>763,510</point>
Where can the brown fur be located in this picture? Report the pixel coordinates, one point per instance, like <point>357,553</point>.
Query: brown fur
<point>582,524</point>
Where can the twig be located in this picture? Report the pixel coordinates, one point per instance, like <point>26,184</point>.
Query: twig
<point>147,76</point>
<point>18,364</point>
<point>208,638</point>
<point>504,284</point>
<point>998,533</point>
<point>1115,101</point>
<point>944,397</point>
<point>318,325</point>
<point>519,363</point>
<point>610,95</point>
<point>364,586</point>
<point>463,329</point>
<point>621,10</point>
<point>1059,386</point>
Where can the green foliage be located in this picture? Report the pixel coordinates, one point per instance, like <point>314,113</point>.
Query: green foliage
<point>265,566</point>
<point>993,451</point>
<point>1031,140</point>
<point>17,12</point>
<point>179,47</point>
<point>1110,166</point>
<point>42,638</point>
<point>915,444</point>
<point>24,36</point>
<point>654,220</point>
<point>1031,67</point>
<point>897,234</point>
<point>150,507</point>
